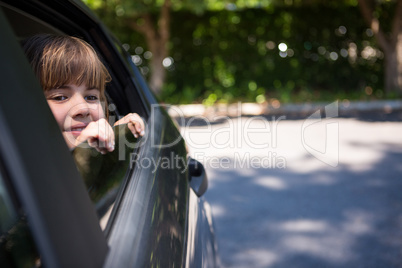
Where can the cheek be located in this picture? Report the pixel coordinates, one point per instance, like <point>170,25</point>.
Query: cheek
<point>97,112</point>
<point>59,113</point>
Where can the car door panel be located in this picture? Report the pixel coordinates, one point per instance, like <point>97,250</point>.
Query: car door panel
<point>149,229</point>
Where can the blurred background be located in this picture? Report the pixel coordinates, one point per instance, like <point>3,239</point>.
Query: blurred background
<point>218,51</point>
<point>276,197</point>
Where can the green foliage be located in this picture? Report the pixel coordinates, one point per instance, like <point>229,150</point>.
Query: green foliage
<point>229,56</point>
<point>234,55</point>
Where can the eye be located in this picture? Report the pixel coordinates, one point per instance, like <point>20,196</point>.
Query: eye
<point>92,98</point>
<point>59,98</point>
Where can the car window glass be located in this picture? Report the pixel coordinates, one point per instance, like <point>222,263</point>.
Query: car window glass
<point>125,56</point>
<point>17,247</point>
<point>136,75</point>
<point>103,174</point>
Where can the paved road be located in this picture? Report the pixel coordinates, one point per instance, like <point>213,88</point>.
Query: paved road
<point>303,193</point>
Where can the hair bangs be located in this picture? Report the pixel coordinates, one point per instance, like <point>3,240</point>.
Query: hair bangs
<point>72,61</point>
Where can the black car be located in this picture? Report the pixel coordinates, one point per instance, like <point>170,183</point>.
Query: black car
<point>62,208</point>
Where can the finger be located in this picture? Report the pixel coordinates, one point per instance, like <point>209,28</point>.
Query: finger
<point>94,143</point>
<point>99,135</point>
<point>119,122</point>
<point>106,136</point>
<point>141,123</point>
<point>134,118</point>
<point>135,128</point>
<point>139,128</point>
<point>123,120</point>
<point>132,129</point>
<point>138,124</point>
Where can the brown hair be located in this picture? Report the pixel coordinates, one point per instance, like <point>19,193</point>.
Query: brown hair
<point>60,60</point>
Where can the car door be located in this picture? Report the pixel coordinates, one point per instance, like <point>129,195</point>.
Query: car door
<point>147,221</point>
<point>43,181</point>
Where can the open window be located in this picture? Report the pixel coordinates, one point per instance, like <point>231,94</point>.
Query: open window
<point>104,175</point>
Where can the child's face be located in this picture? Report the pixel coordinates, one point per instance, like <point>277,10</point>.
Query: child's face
<point>74,107</point>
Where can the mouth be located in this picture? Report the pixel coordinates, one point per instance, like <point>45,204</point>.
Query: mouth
<point>76,130</point>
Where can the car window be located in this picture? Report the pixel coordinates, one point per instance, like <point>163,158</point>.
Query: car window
<point>136,76</point>
<point>103,174</point>
<point>17,247</point>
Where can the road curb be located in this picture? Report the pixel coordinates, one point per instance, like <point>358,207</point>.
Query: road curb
<point>255,109</point>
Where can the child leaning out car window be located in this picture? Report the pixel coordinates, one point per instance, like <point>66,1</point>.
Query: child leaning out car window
<point>73,80</point>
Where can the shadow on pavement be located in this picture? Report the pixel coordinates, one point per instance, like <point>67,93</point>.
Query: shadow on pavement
<point>332,217</point>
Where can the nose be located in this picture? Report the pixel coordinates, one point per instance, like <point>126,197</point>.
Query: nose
<point>80,107</point>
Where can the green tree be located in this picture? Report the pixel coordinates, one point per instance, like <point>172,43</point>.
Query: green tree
<point>384,17</point>
<point>239,55</point>
<point>221,53</point>
<point>151,18</point>
<point>389,37</point>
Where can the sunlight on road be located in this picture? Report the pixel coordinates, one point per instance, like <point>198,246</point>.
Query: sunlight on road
<point>276,204</point>
<point>272,183</point>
